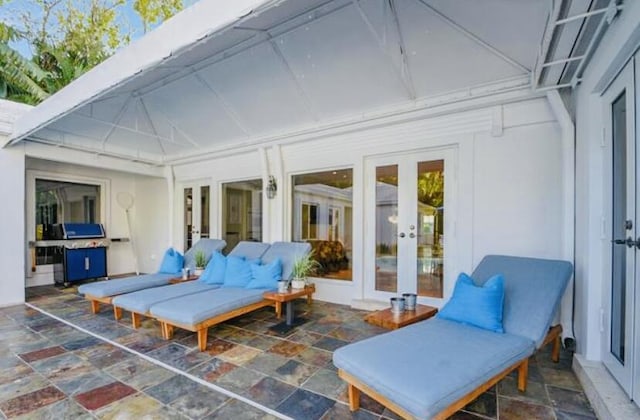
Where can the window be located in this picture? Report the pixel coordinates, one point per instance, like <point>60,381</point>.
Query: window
<point>242,212</point>
<point>309,221</point>
<point>322,209</point>
<point>65,202</point>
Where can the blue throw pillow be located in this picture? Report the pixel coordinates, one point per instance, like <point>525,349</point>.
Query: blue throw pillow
<point>266,276</point>
<point>480,306</point>
<point>215,269</point>
<point>238,272</point>
<point>171,262</point>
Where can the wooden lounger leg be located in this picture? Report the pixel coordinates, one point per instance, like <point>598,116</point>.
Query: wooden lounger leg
<point>354,398</point>
<point>135,320</point>
<point>523,371</point>
<point>95,307</point>
<point>167,330</point>
<point>278,309</point>
<point>202,338</point>
<point>117,313</point>
<point>309,299</point>
<point>555,352</point>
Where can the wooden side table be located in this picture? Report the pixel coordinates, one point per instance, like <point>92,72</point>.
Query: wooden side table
<point>288,298</point>
<point>176,280</point>
<point>387,319</point>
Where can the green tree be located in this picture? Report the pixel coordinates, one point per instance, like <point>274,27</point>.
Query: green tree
<point>152,12</point>
<point>19,77</point>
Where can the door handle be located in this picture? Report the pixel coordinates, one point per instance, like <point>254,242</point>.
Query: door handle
<point>629,242</point>
<point>412,235</point>
<point>402,235</point>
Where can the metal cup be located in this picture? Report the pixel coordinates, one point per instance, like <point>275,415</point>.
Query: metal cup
<point>410,301</point>
<point>397,305</point>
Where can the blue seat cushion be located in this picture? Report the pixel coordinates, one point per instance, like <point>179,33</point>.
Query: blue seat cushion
<point>142,300</point>
<point>288,252</point>
<point>476,305</point>
<point>206,245</point>
<point>215,270</point>
<point>250,250</point>
<point>533,288</point>
<point>193,309</point>
<point>114,287</point>
<point>427,366</point>
<point>265,276</point>
<point>172,262</point>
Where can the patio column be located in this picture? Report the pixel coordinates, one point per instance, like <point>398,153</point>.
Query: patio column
<point>12,224</point>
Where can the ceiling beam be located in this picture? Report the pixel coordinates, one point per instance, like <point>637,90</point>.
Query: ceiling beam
<point>403,73</point>
<point>131,130</point>
<point>475,38</point>
<point>546,42</point>
<point>306,101</point>
<point>145,113</point>
<point>319,12</point>
<point>117,120</point>
<point>405,69</point>
<point>226,106</point>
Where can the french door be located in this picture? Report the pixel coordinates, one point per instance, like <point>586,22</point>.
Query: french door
<point>407,198</point>
<point>621,222</point>
<point>197,207</point>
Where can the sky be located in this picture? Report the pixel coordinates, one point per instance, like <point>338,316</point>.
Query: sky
<point>12,10</point>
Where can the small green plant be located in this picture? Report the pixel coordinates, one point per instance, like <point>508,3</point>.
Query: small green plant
<point>200,259</point>
<point>304,266</point>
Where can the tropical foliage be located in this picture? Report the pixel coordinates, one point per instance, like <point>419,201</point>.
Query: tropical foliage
<point>67,38</point>
<point>20,78</point>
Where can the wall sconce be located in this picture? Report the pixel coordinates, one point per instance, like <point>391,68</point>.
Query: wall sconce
<point>272,187</point>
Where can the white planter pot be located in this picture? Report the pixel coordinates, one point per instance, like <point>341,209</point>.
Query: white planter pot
<point>298,283</point>
<point>198,271</point>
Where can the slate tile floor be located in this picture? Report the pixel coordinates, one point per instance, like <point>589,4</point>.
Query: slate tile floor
<point>49,370</point>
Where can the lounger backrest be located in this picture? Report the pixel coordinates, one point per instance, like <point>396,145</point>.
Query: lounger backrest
<point>533,289</point>
<point>249,250</point>
<point>209,246</point>
<point>288,252</point>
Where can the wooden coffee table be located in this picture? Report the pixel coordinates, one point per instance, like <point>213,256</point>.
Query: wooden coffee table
<point>287,298</point>
<point>181,280</point>
<point>387,319</point>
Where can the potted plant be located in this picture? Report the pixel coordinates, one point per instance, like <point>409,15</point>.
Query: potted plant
<point>303,267</point>
<point>200,260</point>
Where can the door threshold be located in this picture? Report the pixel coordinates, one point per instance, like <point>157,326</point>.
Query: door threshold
<point>607,398</point>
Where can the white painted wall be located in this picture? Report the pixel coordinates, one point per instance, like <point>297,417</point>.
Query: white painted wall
<point>620,40</point>
<point>12,254</point>
<point>150,223</point>
<point>508,185</point>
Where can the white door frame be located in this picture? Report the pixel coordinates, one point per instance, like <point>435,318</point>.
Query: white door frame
<point>623,373</point>
<point>195,186</point>
<point>407,205</point>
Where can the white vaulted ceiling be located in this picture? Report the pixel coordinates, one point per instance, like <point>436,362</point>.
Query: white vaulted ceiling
<point>268,68</point>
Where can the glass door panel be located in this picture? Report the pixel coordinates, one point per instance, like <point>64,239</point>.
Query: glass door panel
<point>405,207</point>
<point>205,202</point>
<point>618,352</point>
<point>188,218</point>
<point>241,212</point>
<point>386,217</point>
<point>430,228</point>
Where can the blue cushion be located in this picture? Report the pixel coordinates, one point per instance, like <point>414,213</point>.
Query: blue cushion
<point>206,245</point>
<point>427,366</point>
<point>480,306</point>
<point>238,272</point>
<point>266,276</point>
<point>171,262</point>
<point>215,270</point>
<point>114,287</point>
<point>533,288</point>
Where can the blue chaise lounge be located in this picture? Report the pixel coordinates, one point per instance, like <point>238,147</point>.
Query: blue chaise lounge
<point>104,291</point>
<point>200,311</point>
<point>433,368</point>
<point>139,303</point>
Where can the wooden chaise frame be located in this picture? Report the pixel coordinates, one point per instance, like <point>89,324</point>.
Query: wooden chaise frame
<point>202,328</point>
<point>355,386</point>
